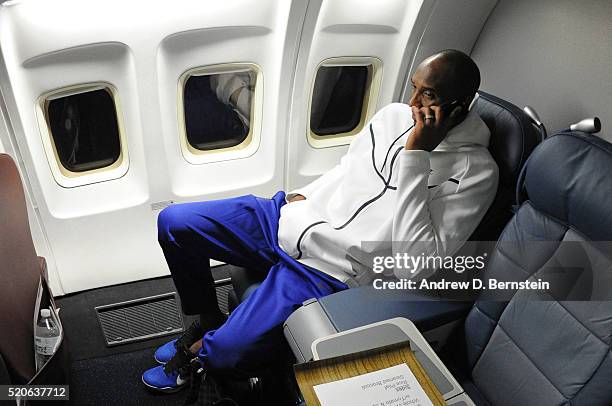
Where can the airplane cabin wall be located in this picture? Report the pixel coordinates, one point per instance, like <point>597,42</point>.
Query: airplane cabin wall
<point>453,24</point>
<point>102,227</point>
<point>101,230</point>
<point>554,55</point>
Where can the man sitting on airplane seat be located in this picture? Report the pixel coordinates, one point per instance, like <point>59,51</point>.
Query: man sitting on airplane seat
<point>413,173</point>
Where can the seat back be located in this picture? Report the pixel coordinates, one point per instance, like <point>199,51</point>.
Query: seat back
<point>513,138</point>
<point>549,352</point>
<point>20,275</point>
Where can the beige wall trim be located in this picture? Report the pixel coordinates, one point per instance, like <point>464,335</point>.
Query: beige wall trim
<point>63,176</point>
<point>250,144</point>
<point>375,72</point>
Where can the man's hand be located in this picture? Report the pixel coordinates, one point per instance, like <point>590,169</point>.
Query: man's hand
<point>296,198</point>
<point>430,128</point>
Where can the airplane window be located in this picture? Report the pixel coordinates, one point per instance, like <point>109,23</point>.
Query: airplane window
<point>84,130</point>
<point>338,99</point>
<point>217,109</point>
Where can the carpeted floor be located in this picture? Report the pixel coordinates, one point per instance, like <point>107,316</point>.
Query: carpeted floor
<point>102,375</point>
<point>116,380</point>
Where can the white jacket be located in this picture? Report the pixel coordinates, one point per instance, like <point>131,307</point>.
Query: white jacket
<point>382,193</point>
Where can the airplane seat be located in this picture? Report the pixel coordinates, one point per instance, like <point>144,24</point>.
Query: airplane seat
<point>513,137</point>
<point>244,282</point>
<point>536,348</point>
<point>21,271</point>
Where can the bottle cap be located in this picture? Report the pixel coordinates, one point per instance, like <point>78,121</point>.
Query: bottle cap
<point>45,313</point>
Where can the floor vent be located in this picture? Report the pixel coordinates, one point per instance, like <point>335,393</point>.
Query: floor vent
<point>222,293</point>
<point>140,319</point>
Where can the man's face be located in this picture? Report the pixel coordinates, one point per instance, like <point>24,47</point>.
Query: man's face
<point>430,84</point>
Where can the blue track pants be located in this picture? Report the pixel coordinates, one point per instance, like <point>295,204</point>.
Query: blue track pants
<point>241,231</point>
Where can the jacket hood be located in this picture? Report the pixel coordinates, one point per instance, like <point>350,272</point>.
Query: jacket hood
<point>471,131</point>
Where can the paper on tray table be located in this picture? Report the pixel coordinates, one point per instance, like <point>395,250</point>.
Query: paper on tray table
<point>394,386</point>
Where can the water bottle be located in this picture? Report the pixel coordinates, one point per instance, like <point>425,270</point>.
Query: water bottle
<point>46,338</point>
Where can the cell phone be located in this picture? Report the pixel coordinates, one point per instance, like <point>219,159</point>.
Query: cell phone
<point>447,107</point>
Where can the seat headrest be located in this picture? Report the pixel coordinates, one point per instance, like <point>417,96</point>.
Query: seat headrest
<point>513,136</point>
<point>568,178</point>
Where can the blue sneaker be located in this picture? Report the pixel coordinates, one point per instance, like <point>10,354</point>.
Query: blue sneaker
<point>157,379</point>
<point>165,353</point>
<point>172,376</point>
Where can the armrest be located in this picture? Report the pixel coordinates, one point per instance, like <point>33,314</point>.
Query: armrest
<point>364,305</point>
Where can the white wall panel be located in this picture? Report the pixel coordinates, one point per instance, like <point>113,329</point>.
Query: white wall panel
<point>185,51</point>
<point>349,28</point>
<point>110,62</point>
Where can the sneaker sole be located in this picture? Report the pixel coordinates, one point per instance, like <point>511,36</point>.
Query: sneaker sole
<point>158,361</point>
<point>167,389</point>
